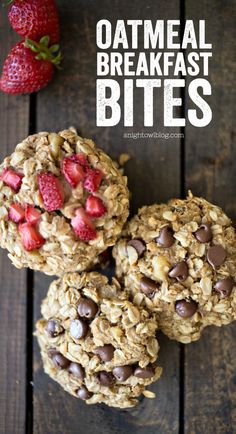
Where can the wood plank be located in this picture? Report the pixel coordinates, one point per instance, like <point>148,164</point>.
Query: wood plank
<point>14,127</point>
<point>210,364</point>
<point>154,175</point>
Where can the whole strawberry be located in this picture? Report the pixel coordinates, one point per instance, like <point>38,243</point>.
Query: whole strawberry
<point>35,18</point>
<point>29,66</point>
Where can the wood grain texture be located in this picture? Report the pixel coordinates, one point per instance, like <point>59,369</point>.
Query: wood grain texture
<point>210,364</point>
<point>13,126</point>
<point>154,175</point>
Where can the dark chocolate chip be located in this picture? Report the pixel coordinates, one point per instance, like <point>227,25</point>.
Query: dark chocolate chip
<point>144,372</point>
<point>148,286</point>
<point>138,245</point>
<point>122,373</point>
<point>53,328</point>
<point>60,361</point>
<point>77,370</point>
<point>165,238</point>
<point>224,286</point>
<point>204,233</point>
<point>87,308</point>
<point>185,308</point>
<point>83,393</point>
<point>179,271</point>
<point>78,328</point>
<point>216,255</point>
<point>105,353</point>
<point>105,378</point>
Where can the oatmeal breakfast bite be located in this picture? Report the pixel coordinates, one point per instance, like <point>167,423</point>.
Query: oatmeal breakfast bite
<point>95,343</point>
<point>62,203</point>
<point>179,259</point>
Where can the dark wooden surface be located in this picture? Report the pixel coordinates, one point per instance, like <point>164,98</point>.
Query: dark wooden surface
<point>197,392</point>
<point>210,382</point>
<point>14,116</point>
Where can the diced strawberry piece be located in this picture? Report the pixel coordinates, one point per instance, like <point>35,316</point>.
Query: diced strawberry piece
<point>51,190</point>
<point>32,215</point>
<point>95,206</point>
<point>12,179</point>
<point>82,160</point>
<point>16,213</point>
<point>30,237</point>
<point>93,180</point>
<point>73,170</point>
<point>83,226</point>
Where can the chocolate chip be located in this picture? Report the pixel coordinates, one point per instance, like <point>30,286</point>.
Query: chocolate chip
<point>105,378</point>
<point>87,308</point>
<point>77,370</point>
<point>204,233</point>
<point>148,286</point>
<point>185,308</point>
<point>122,373</point>
<point>83,393</point>
<point>179,271</point>
<point>53,328</point>
<point>216,255</point>
<point>144,372</point>
<point>224,286</point>
<point>78,328</point>
<point>106,352</point>
<point>165,238</point>
<point>138,245</point>
<point>60,361</point>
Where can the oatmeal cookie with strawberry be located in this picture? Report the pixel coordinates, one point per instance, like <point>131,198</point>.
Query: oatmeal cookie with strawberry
<point>95,343</point>
<point>62,203</point>
<point>179,260</point>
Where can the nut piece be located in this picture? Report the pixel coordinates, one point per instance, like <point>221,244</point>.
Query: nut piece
<point>132,255</point>
<point>56,142</point>
<point>160,267</point>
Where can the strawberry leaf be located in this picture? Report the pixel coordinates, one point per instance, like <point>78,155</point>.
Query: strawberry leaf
<point>32,45</point>
<point>50,54</point>
<point>44,41</point>
<point>54,48</point>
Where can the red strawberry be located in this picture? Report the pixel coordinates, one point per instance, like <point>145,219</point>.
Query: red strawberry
<point>30,237</point>
<point>93,180</point>
<point>12,179</point>
<point>73,170</point>
<point>32,215</point>
<point>83,225</point>
<point>95,206</point>
<point>35,18</point>
<point>82,160</point>
<point>51,190</point>
<point>16,213</point>
<point>28,67</point>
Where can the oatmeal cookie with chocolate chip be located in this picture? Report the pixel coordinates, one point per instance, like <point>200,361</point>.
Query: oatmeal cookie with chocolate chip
<point>179,260</point>
<point>62,203</point>
<point>95,343</point>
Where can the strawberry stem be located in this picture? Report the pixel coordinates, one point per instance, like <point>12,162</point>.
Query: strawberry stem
<point>44,52</point>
